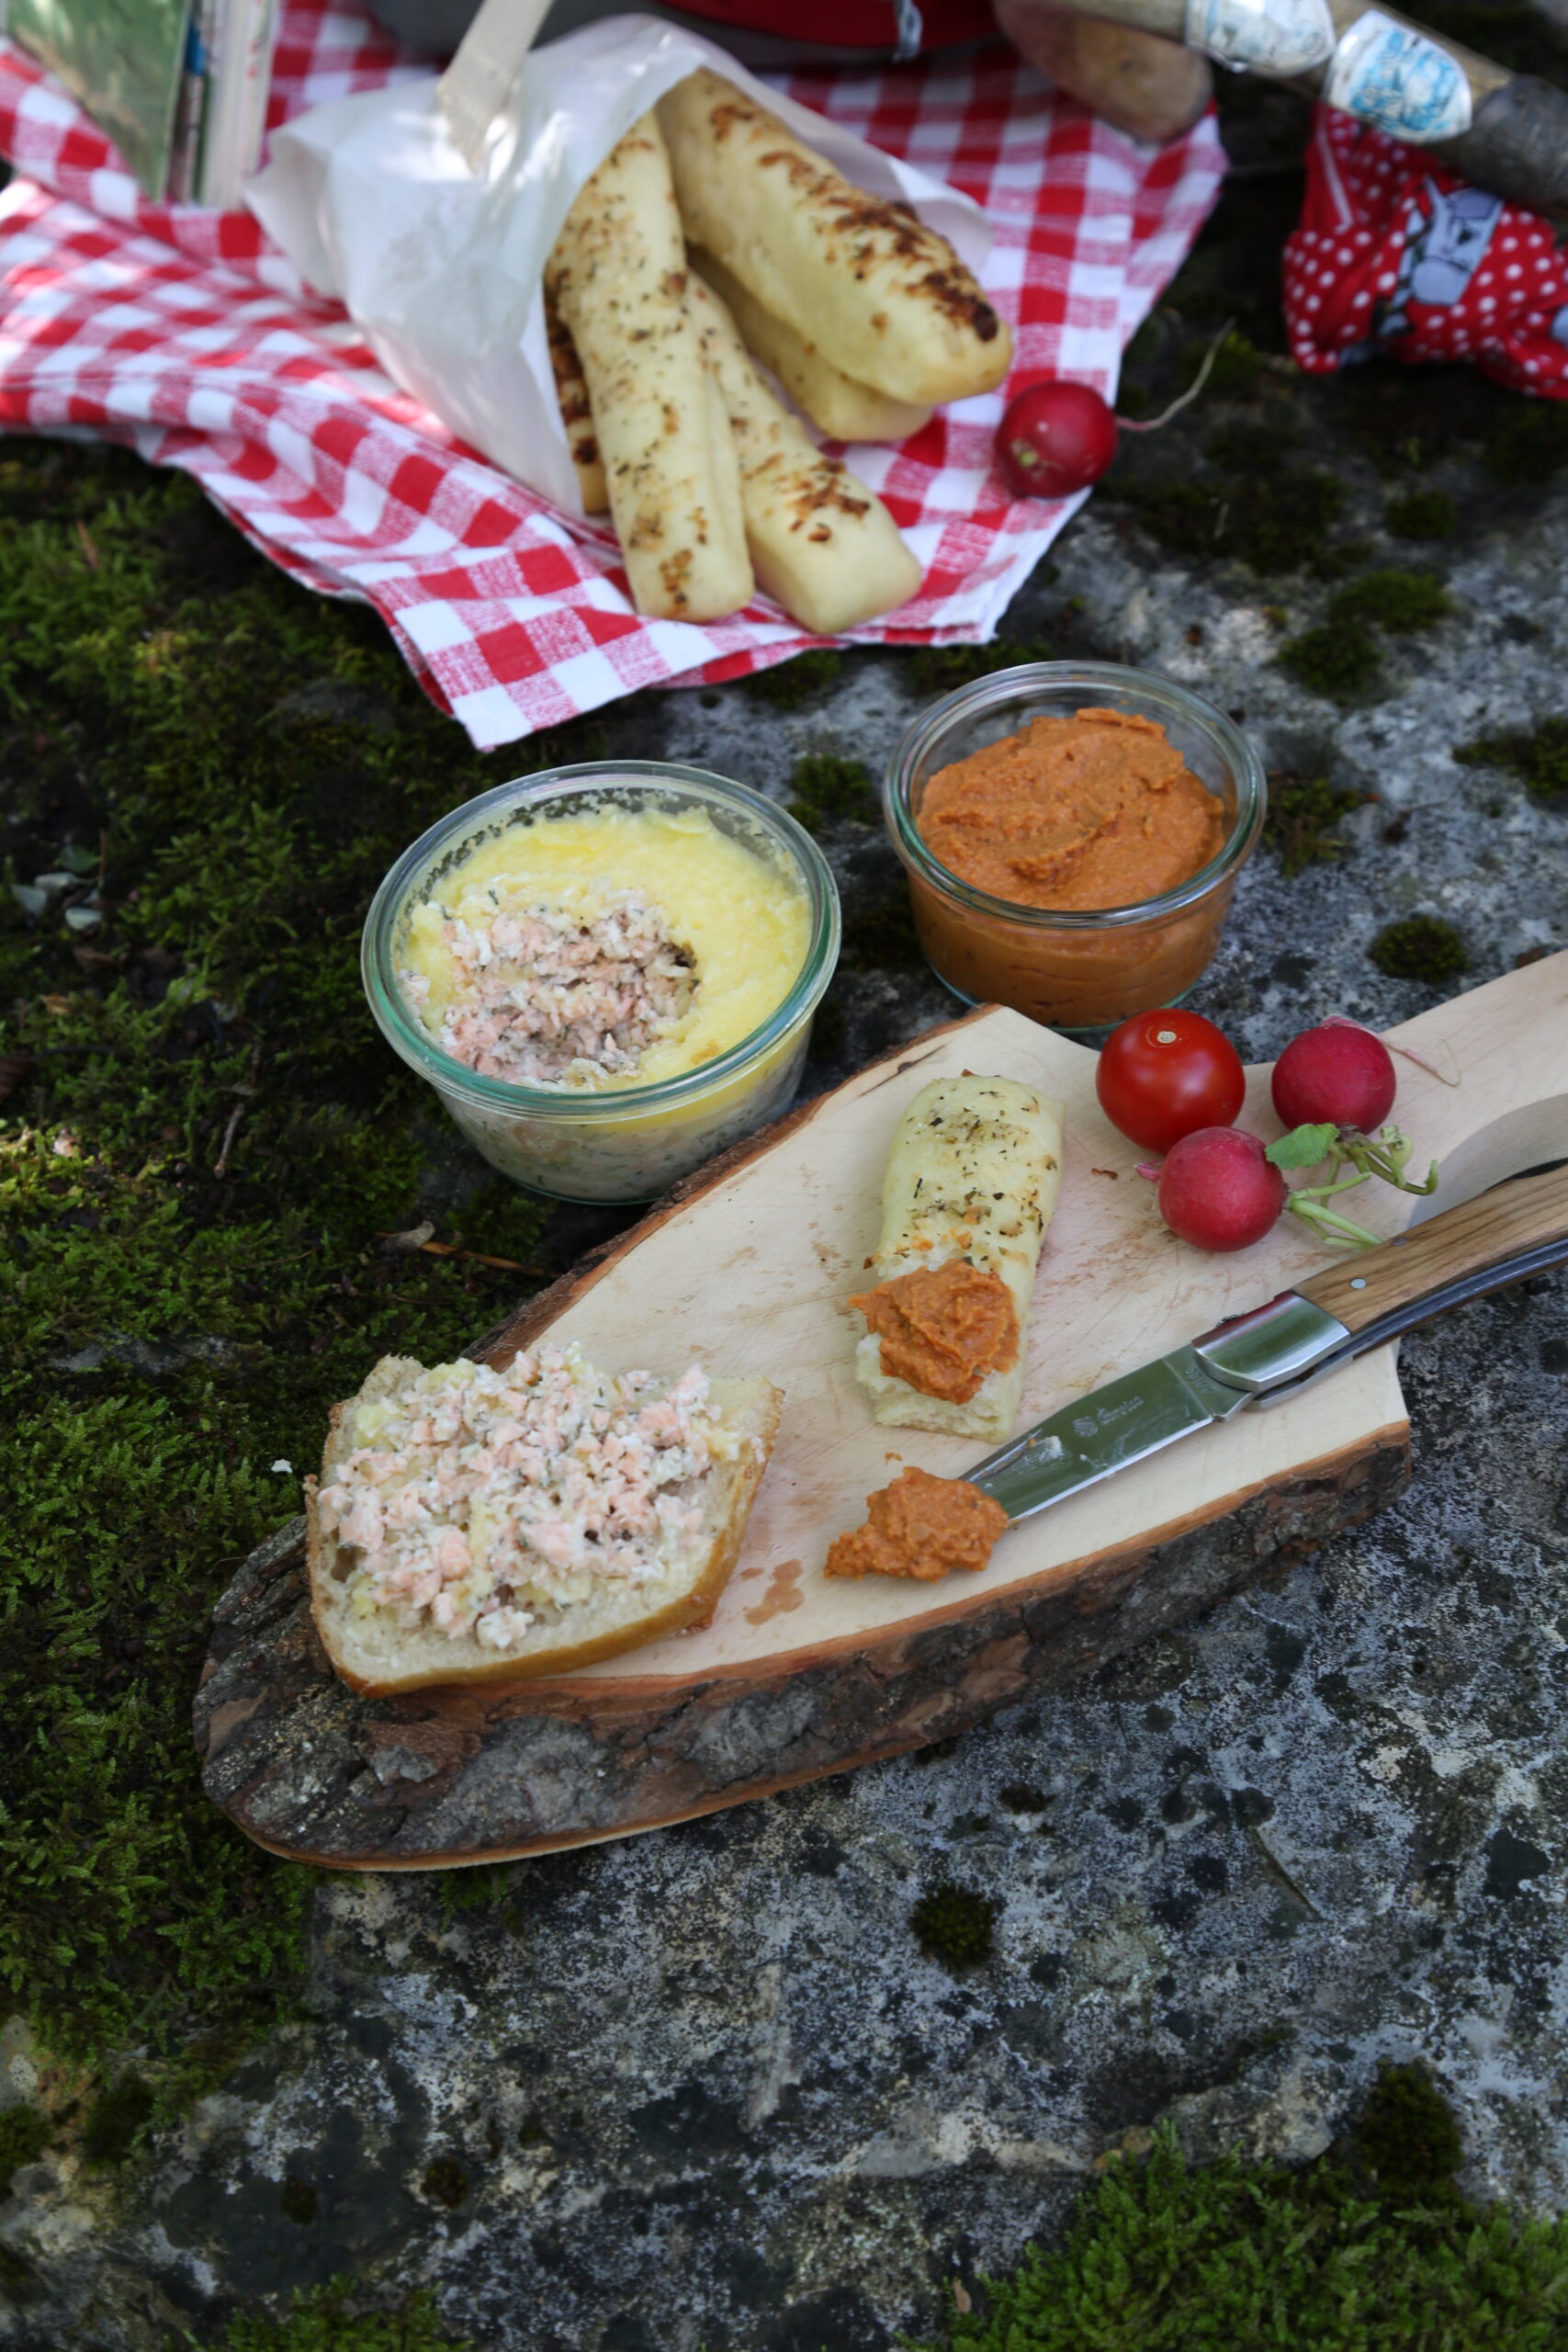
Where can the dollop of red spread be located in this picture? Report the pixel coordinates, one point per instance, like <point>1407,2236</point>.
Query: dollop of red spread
<point>942,1329</point>
<point>1096,811</point>
<point>919,1526</point>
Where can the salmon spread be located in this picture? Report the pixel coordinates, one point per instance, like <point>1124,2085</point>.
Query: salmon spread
<point>944,1329</point>
<point>922,1527</point>
<point>1083,813</point>
<point>607,947</point>
<point>481,1501</point>
<point>547,996</point>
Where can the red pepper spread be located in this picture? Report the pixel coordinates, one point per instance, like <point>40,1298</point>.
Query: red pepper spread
<point>942,1329</point>
<point>1096,811</point>
<point>922,1527</point>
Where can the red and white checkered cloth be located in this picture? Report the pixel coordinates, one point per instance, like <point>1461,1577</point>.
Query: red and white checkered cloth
<point>187,334</point>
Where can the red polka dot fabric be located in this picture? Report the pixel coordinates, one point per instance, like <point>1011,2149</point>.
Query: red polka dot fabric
<point>1396,254</point>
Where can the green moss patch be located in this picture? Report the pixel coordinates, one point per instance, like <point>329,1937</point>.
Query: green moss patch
<point>329,2319</point>
<point>1339,657</point>
<point>1421,947</point>
<point>830,791</point>
<point>24,2136</point>
<point>1528,446</point>
<point>1400,602</point>
<point>940,668</point>
<point>1332,660</point>
<point>1538,755</point>
<point>955,1925</point>
<point>202,1145</point>
<point>1274,520</point>
<point>1421,514</point>
<point>1165,2258</point>
<point>1302,814</point>
<point>789,685</point>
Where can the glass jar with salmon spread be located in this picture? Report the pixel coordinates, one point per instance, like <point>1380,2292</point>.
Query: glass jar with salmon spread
<point>1018,802</point>
<point>607,973</point>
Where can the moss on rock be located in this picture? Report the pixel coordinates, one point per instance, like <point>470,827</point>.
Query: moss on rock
<point>1302,814</point>
<point>1421,514</point>
<point>1538,755</point>
<point>1332,659</point>
<point>1421,947</point>
<point>1399,601</point>
<point>828,790</point>
<point>955,1925</point>
<point>1165,2257</point>
<point>789,685</point>
<point>333,2318</point>
<point>24,2136</point>
<point>203,747</point>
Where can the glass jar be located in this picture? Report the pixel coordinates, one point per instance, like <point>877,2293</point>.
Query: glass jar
<point>1072,969</point>
<point>622,1143</point>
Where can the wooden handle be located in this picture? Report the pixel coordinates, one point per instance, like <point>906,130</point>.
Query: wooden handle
<point>1498,1238</point>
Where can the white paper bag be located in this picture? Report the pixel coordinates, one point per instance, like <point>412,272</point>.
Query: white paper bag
<point>374,206</point>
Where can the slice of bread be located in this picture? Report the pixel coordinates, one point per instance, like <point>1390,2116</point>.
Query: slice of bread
<point>380,1652</point>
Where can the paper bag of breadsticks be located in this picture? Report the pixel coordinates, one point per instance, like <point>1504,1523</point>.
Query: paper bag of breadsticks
<point>446,273</point>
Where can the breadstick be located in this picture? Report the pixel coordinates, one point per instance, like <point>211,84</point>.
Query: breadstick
<point>883,297</point>
<point>576,412</point>
<point>836,404</point>
<point>822,544</point>
<point>971,1184</point>
<point>618,275</point>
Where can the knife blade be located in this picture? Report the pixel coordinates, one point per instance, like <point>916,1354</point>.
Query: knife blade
<point>1105,1431</point>
<point>1273,1351</point>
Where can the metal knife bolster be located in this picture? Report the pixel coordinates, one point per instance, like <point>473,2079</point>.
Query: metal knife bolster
<point>1273,1351</point>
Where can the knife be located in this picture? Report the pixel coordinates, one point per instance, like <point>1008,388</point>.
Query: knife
<point>1271,1353</point>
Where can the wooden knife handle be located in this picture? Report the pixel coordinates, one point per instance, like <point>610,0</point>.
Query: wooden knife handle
<point>1499,1238</point>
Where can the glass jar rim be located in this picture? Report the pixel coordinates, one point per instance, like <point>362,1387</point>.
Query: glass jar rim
<point>1021,683</point>
<point>418,1048</point>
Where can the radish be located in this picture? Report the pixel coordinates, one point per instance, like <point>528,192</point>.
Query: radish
<point>1335,1076</point>
<point>1219,1191</point>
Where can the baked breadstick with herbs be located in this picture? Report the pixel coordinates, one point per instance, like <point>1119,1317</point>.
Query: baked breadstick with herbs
<point>618,276</point>
<point>822,544</point>
<point>971,1185</point>
<point>883,297</point>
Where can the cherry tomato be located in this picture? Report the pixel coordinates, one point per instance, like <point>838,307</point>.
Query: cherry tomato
<point>1219,1192</point>
<point>1055,438</point>
<point>1338,1075</point>
<point>1163,1075</point>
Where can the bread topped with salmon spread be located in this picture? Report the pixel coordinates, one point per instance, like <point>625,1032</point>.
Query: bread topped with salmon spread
<point>476,1525</point>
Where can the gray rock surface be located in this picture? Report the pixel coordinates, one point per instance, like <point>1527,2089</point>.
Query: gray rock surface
<point>703,2089</point>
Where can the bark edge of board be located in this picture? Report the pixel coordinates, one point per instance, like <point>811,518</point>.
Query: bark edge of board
<point>440,1780</point>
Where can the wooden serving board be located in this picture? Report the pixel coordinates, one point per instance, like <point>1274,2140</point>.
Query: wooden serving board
<point>746,1267</point>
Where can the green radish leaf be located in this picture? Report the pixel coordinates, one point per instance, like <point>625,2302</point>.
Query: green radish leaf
<point>1303,1147</point>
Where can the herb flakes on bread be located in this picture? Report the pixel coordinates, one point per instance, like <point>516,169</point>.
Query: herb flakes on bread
<point>475,1525</point>
<point>971,1185</point>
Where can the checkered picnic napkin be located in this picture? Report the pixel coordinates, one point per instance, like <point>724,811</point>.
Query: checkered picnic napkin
<point>186,333</point>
